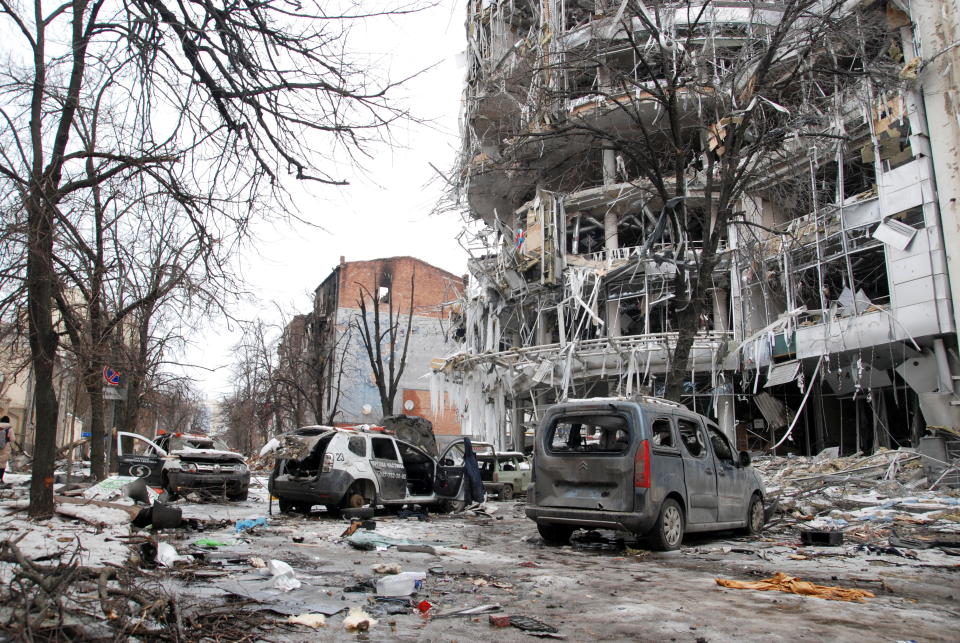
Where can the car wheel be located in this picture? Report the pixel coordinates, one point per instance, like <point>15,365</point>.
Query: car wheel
<point>240,496</point>
<point>355,499</point>
<point>755,517</point>
<point>286,505</point>
<point>451,506</point>
<point>667,534</point>
<point>506,493</point>
<point>555,534</point>
<point>171,494</point>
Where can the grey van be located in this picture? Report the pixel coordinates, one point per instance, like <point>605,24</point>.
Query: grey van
<point>643,465</point>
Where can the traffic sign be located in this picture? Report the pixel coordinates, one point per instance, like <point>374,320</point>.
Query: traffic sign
<point>114,393</point>
<point>111,376</point>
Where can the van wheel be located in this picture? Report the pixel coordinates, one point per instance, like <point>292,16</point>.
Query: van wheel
<point>754,517</point>
<point>667,534</point>
<point>506,493</point>
<point>555,534</point>
<point>240,496</point>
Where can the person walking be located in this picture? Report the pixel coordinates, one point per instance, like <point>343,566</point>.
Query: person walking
<point>6,441</point>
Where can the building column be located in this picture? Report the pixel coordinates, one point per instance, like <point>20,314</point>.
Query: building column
<point>938,24</point>
<point>721,312</point>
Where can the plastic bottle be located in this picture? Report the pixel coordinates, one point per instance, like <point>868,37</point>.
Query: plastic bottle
<point>402,584</point>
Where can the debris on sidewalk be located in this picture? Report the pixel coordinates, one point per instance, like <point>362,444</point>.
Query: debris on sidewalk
<point>828,499</point>
<point>250,523</point>
<point>283,577</point>
<point>781,582</point>
<point>401,584</point>
<point>358,620</point>
<point>167,555</point>
<point>370,541</point>
<point>310,620</point>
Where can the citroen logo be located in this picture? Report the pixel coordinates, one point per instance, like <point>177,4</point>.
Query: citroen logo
<point>583,465</point>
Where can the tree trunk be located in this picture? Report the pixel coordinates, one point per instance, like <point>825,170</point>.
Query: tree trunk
<point>92,384</point>
<point>687,324</point>
<point>43,351</point>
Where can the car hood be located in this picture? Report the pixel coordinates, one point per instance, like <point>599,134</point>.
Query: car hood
<point>206,454</point>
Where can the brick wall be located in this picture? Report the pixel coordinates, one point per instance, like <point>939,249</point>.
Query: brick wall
<point>432,286</point>
<point>444,423</point>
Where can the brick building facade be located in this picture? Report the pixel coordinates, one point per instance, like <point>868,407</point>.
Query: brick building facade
<point>349,388</point>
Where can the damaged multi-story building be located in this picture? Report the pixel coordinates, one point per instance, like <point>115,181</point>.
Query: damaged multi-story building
<point>771,186</point>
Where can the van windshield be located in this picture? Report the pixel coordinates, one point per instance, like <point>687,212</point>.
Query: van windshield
<point>578,434</point>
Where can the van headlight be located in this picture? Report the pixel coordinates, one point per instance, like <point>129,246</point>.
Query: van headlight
<point>188,467</point>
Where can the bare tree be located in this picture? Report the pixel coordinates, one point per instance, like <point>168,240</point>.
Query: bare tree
<point>219,102</point>
<point>382,337</point>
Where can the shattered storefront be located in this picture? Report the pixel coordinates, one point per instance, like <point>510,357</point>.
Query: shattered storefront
<point>826,316</point>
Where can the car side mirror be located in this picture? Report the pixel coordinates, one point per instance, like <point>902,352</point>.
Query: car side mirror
<point>745,459</point>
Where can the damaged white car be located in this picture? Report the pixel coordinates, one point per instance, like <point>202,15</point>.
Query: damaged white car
<point>353,467</point>
<point>184,462</point>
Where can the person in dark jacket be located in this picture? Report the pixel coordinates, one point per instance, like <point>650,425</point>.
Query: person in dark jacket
<point>6,444</point>
<point>473,485</point>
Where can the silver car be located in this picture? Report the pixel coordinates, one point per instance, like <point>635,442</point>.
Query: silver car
<point>643,465</point>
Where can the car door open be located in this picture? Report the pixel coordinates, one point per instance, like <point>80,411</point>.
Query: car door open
<point>449,479</point>
<point>139,457</point>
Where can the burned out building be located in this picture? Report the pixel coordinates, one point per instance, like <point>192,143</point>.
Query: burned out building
<point>415,299</point>
<point>751,206</point>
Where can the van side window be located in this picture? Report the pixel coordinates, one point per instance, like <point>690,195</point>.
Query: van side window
<point>383,448</point>
<point>358,445</point>
<point>721,447</point>
<point>691,434</point>
<point>662,436</point>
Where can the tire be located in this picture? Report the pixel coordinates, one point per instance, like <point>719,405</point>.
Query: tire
<point>354,499</point>
<point>755,517</point>
<point>287,506</point>
<point>171,494</point>
<point>667,534</point>
<point>506,493</point>
<point>451,506</point>
<point>555,534</point>
<point>240,497</point>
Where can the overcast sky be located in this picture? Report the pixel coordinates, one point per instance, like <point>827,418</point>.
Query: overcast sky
<point>384,212</point>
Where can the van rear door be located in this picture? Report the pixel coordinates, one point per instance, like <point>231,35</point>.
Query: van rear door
<point>585,458</point>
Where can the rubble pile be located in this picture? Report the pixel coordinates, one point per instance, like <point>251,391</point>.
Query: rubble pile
<point>880,498</point>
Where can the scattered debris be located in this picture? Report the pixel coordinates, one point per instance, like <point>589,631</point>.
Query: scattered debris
<point>168,557</point>
<point>358,620</point>
<point>310,620</point>
<point>530,624</point>
<point>784,583</point>
<point>250,523</point>
<point>401,584</point>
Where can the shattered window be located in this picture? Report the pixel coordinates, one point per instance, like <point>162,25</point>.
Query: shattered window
<point>358,446</point>
<point>721,447</point>
<point>691,434</point>
<point>661,433</point>
<point>589,434</point>
<point>383,449</point>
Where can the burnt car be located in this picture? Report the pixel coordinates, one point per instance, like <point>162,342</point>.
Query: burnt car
<point>646,466</point>
<point>344,468</point>
<point>183,462</point>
